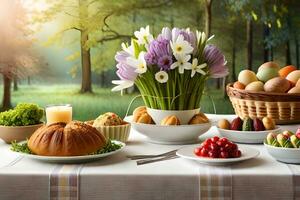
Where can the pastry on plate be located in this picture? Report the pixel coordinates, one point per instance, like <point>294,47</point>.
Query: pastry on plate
<point>199,118</point>
<point>140,115</point>
<point>108,119</point>
<point>170,120</point>
<point>61,139</point>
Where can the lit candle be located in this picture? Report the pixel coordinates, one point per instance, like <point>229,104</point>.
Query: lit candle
<point>59,113</point>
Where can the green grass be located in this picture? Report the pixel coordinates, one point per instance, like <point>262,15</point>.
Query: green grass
<point>89,106</point>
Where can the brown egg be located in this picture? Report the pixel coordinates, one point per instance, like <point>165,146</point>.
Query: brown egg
<point>277,84</point>
<point>224,124</point>
<point>294,90</point>
<point>298,83</point>
<point>239,85</point>
<point>269,65</point>
<point>170,120</point>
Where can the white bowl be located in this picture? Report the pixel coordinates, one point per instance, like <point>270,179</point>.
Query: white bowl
<point>184,116</point>
<point>247,137</point>
<point>182,134</point>
<point>286,155</point>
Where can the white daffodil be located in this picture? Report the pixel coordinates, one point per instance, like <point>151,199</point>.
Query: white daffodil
<point>139,63</point>
<point>144,36</point>
<point>162,76</point>
<point>128,49</point>
<point>182,62</point>
<point>121,85</point>
<point>197,68</point>
<point>181,46</point>
<point>201,37</point>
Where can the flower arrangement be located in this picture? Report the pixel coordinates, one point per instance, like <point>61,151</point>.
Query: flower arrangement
<point>170,70</point>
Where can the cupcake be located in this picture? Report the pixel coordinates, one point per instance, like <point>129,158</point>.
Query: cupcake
<point>112,126</point>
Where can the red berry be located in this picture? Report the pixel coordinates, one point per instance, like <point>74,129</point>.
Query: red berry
<point>224,140</point>
<point>215,139</point>
<point>213,154</point>
<point>224,154</point>
<point>214,146</point>
<point>204,152</point>
<point>197,151</point>
<point>234,146</point>
<point>237,154</point>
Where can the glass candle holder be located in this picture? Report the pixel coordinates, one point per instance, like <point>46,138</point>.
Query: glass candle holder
<point>58,113</point>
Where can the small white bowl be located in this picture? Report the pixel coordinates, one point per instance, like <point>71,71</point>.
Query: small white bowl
<point>247,137</point>
<point>17,133</point>
<point>181,134</point>
<point>184,116</point>
<point>286,155</point>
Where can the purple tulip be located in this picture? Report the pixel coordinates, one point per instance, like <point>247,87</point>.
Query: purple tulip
<point>125,71</point>
<point>216,62</point>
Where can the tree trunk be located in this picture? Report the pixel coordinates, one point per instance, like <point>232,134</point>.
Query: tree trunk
<point>102,79</point>
<point>297,52</point>
<point>86,79</point>
<point>266,33</point>
<point>16,84</point>
<point>208,4</point>
<point>287,53</point>
<point>249,43</point>
<point>272,53</point>
<point>233,75</point>
<point>28,80</point>
<point>6,102</point>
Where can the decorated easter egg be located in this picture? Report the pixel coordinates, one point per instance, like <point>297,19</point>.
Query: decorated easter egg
<point>266,74</point>
<point>270,64</point>
<point>294,90</point>
<point>239,85</point>
<point>255,86</point>
<point>283,72</point>
<point>294,76</point>
<point>246,77</point>
<point>298,83</point>
<point>277,84</point>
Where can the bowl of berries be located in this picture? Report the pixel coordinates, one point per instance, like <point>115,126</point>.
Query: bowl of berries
<point>284,147</point>
<point>248,131</point>
<point>217,151</point>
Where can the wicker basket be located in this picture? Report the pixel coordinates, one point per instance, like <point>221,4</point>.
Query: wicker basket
<point>284,108</point>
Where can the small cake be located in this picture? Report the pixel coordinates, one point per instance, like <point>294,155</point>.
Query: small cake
<point>112,126</point>
<point>199,118</point>
<point>171,120</point>
<point>108,119</point>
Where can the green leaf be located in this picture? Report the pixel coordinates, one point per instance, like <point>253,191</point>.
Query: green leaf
<point>136,48</point>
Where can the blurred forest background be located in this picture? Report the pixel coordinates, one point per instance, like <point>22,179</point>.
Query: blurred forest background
<point>62,51</point>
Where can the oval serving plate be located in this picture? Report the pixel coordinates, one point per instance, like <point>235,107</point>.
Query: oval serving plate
<point>188,153</point>
<point>247,137</point>
<point>73,159</point>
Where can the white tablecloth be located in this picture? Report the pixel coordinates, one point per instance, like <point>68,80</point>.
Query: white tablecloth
<point>117,177</point>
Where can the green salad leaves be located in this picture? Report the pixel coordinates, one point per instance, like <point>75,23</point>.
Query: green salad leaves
<point>23,114</point>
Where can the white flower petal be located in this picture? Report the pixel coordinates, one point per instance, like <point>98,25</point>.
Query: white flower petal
<point>193,73</point>
<point>121,84</point>
<point>202,66</point>
<point>201,71</point>
<point>174,65</point>
<point>187,65</point>
<point>181,69</point>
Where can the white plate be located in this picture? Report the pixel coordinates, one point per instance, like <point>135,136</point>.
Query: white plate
<point>247,137</point>
<point>72,159</point>
<point>188,153</point>
<point>183,134</point>
<point>286,155</point>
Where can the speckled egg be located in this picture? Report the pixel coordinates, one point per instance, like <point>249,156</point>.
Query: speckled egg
<point>255,86</point>
<point>266,74</point>
<point>277,84</point>
<point>246,77</point>
<point>295,90</point>
<point>270,64</point>
<point>294,76</point>
<point>239,85</point>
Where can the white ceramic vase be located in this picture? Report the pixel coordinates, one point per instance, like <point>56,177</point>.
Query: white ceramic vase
<point>183,115</point>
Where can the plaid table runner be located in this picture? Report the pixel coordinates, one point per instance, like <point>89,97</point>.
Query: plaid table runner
<point>64,182</point>
<point>215,183</point>
<point>296,180</point>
